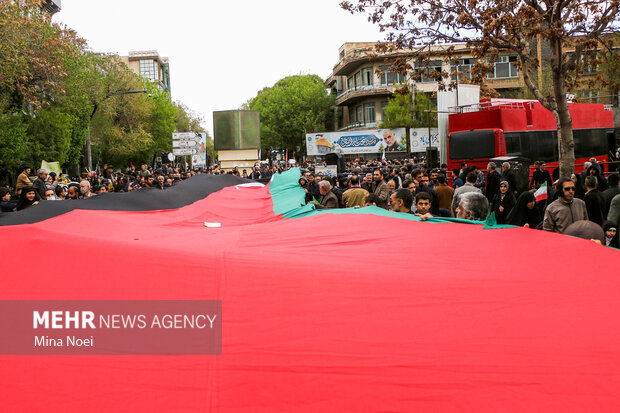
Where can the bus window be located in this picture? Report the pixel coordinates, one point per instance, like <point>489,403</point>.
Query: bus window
<point>472,144</point>
<point>513,144</point>
<point>589,142</point>
<point>545,142</point>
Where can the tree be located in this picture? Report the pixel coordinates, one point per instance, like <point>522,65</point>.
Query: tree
<point>404,112</point>
<point>491,26</point>
<point>294,106</point>
<point>36,58</point>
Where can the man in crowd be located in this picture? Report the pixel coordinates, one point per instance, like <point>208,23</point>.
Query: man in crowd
<point>473,206</point>
<point>73,192</point>
<point>444,193</point>
<point>402,199</point>
<point>24,178</point>
<point>150,181</point>
<point>493,180</point>
<point>39,183</point>
<point>540,176</point>
<point>328,198</point>
<point>85,189</point>
<point>371,200</point>
<point>468,187</point>
<point>594,201</point>
<point>479,178</point>
<point>313,187</point>
<point>5,200</point>
<point>380,188</point>
<point>50,195</point>
<point>367,182</point>
<point>565,210</point>
<point>457,182</point>
<point>160,183</point>
<point>423,206</point>
<point>61,193</point>
<point>355,195</point>
<point>611,192</point>
<point>509,176</point>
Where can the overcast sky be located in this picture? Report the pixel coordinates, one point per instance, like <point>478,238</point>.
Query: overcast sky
<point>222,52</point>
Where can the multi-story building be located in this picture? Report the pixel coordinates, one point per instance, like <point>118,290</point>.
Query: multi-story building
<point>51,6</point>
<point>363,82</point>
<point>151,66</point>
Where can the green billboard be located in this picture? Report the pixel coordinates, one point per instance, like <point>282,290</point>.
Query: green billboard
<point>236,129</point>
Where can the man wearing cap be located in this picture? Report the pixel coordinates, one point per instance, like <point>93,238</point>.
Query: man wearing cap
<point>565,210</point>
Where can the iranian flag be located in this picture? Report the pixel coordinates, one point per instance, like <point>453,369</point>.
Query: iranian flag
<point>541,193</point>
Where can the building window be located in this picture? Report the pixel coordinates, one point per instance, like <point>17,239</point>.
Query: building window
<point>463,67</point>
<point>588,95</point>
<point>383,105</point>
<point>351,111</point>
<point>150,70</point>
<point>359,114</point>
<point>390,78</point>
<point>429,71</point>
<point>367,77</point>
<point>369,113</point>
<point>504,68</point>
<point>358,80</point>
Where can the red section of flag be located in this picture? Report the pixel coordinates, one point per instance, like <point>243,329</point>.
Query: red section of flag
<point>319,316</point>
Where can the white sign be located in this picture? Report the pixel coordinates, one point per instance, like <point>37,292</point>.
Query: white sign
<point>185,151</point>
<point>419,139</point>
<point>171,157</point>
<point>186,136</point>
<point>185,144</point>
<point>354,142</point>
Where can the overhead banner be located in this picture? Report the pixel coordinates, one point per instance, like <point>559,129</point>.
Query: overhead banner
<point>356,142</point>
<point>420,139</point>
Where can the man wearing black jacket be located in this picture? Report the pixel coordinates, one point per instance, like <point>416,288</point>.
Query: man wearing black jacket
<point>493,181</point>
<point>594,201</point>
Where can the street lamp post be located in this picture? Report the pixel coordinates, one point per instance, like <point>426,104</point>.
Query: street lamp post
<point>89,159</point>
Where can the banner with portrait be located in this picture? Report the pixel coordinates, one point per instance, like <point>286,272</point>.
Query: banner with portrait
<point>356,142</point>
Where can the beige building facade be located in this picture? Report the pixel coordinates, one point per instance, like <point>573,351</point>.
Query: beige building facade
<point>150,65</point>
<point>363,82</point>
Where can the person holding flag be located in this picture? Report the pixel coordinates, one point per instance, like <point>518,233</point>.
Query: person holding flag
<point>525,213</point>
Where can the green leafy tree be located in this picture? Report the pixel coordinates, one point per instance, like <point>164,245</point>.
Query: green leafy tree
<point>36,58</point>
<point>294,106</point>
<point>404,112</point>
<point>162,120</point>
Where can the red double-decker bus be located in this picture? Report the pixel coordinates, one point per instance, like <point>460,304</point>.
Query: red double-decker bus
<point>516,127</point>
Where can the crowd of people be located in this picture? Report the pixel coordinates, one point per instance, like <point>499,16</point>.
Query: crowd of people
<point>406,186</point>
<point>586,205</point>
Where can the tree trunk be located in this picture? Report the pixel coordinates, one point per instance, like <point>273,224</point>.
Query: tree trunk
<point>564,122</point>
<point>408,140</point>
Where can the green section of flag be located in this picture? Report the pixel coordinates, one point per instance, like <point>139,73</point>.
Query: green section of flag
<point>286,193</point>
<point>289,200</point>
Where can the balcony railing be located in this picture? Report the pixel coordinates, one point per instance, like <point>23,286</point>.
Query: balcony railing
<point>344,93</point>
<point>359,125</point>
